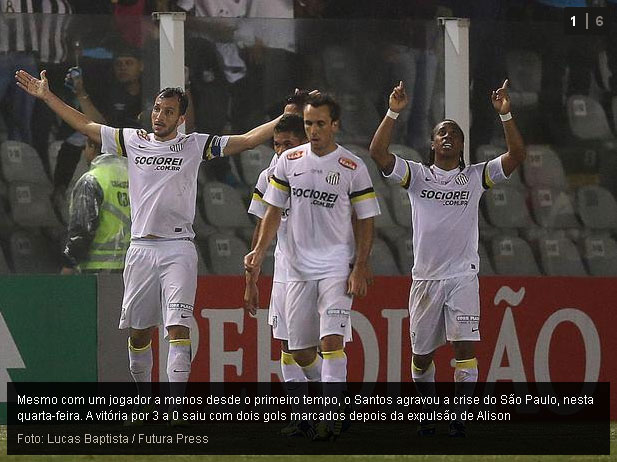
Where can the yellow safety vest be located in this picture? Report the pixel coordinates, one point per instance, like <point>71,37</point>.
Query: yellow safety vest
<point>113,234</point>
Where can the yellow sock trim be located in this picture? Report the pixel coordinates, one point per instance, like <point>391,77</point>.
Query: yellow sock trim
<point>139,350</point>
<point>417,369</point>
<point>467,364</point>
<point>287,359</point>
<point>333,354</point>
<point>181,341</point>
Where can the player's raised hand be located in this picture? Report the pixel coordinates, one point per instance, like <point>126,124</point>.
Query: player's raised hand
<point>501,99</point>
<point>38,88</point>
<point>398,98</point>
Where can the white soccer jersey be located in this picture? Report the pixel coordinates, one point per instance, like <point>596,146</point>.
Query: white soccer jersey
<point>321,192</point>
<point>162,177</point>
<point>258,208</point>
<point>444,215</point>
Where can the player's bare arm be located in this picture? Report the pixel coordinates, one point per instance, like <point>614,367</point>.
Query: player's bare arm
<point>39,88</point>
<point>514,141</point>
<point>381,140</point>
<point>357,281</point>
<point>267,231</point>
<point>252,138</point>
<point>251,291</point>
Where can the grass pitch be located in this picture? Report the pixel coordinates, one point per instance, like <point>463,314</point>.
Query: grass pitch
<point>301,458</point>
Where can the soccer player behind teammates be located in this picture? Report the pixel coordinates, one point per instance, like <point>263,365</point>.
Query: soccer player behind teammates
<point>161,262</point>
<point>444,301</point>
<point>323,183</point>
<point>288,133</point>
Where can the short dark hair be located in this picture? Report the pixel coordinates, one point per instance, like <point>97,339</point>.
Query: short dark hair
<point>324,99</point>
<point>431,154</point>
<point>292,123</point>
<point>175,92</point>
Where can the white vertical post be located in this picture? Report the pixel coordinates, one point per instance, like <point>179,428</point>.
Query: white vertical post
<point>456,49</point>
<point>171,37</point>
<point>171,56</point>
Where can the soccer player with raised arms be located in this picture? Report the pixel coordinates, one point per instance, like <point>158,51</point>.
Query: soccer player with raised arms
<point>161,262</point>
<point>444,300</point>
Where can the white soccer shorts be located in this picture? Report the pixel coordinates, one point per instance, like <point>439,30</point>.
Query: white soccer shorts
<point>443,310</point>
<point>316,309</point>
<point>276,311</point>
<point>160,282</point>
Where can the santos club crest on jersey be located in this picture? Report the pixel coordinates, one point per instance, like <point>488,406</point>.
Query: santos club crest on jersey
<point>333,178</point>
<point>461,179</point>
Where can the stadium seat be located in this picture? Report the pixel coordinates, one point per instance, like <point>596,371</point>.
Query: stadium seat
<point>52,155</point>
<point>31,205</point>
<point>596,207</point>
<point>20,162</point>
<point>223,206</point>
<point>487,232</point>
<point>405,152</point>
<point>32,253</point>
<point>488,152</point>
<point>252,162</point>
<point>225,254</point>
<point>506,208</point>
<point>513,256</point>
<point>560,257</point>
<point>202,268</point>
<point>201,228</point>
<point>524,70</point>
<point>400,206</point>
<point>4,266</point>
<point>587,119</point>
<point>404,253</point>
<point>552,208</point>
<point>614,111</point>
<point>384,224</point>
<point>486,268</point>
<point>543,167</point>
<point>359,115</point>
<point>6,223</point>
<point>382,260</point>
<point>600,255</point>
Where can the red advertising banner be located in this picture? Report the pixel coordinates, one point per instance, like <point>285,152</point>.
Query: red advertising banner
<point>533,329</point>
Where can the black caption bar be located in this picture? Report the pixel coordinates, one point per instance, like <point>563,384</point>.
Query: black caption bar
<point>247,418</point>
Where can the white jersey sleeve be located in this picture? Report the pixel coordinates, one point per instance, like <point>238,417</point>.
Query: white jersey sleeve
<point>211,146</point>
<point>278,190</point>
<point>112,140</point>
<point>258,206</point>
<point>493,173</point>
<point>362,195</point>
<point>401,173</point>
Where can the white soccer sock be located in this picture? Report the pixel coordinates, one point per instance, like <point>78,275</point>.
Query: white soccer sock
<point>312,372</point>
<point>424,381</point>
<point>291,370</point>
<point>179,360</point>
<point>466,370</point>
<point>418,375</point>
<point>140,362</point>
<point>465,378</point>
<point>334,367</point>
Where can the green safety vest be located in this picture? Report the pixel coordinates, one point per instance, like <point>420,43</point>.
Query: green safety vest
<point>113,234</point>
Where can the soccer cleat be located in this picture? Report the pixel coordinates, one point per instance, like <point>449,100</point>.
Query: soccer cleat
<point>143,412</point>
<point>291,429</point>
<point>426,428</point>
<point>323,432</point>
<point>457,429</point>
<point>306,429</point>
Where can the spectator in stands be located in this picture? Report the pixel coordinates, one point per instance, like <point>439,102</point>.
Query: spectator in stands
<point>23,38</point>
<point>120,106</point>
<point>100,218</point>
